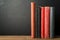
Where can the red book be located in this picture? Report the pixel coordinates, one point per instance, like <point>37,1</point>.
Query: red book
<point>47,22</point>
<point>32,19</point>
<point>42,21</point>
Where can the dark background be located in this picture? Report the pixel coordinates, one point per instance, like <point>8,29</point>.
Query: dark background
<point>57,17</point>
<point>15,16</point>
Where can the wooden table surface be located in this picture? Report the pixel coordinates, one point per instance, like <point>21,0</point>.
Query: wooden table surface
<point>23,38</point>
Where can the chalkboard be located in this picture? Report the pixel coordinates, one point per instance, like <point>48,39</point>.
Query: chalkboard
<point>15,17</point>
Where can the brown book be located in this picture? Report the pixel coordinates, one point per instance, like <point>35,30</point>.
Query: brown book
<point>32,19</point>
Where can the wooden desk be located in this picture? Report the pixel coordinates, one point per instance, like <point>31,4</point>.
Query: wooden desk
<point>23,38</point>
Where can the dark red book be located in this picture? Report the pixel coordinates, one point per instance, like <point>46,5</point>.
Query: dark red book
<point>42,21</point>
<point>47,22</point>
<point>32,19</point>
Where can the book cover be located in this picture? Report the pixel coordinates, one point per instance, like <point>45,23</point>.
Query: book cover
<point>32,19</point>
<point>51,22</point>
<point>42,22</point>
<point>47,22</point>
<point>38,16</point>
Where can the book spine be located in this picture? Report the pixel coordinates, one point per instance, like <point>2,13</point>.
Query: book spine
<point>38,22</point>
<point>51,22</point>
<point>36,19</point>
<point>32,19</point>
<point>42,21</point>
<point>47,22</point>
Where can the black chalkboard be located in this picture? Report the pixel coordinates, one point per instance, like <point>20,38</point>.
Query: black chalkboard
<point>15,17</point>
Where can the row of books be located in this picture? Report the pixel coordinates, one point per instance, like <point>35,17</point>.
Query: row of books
<point>42,21</point>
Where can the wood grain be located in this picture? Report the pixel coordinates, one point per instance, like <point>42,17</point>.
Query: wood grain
<point>23,38</point>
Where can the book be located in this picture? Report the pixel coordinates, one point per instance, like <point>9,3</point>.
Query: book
<point>42,22</point>
<point>36,21</point>
<point>32,19</point>
<point>39,22</point>
<point>51,22</point>
<point>47,21</point>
